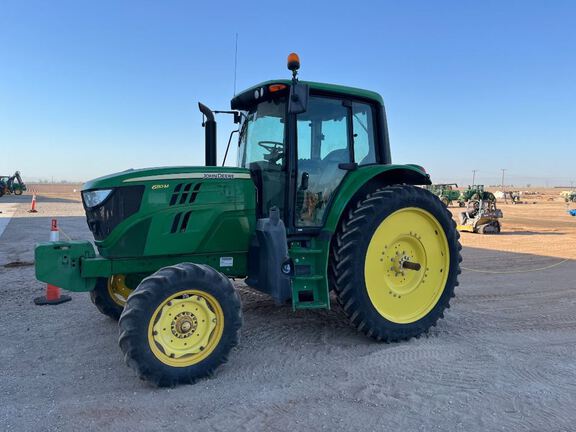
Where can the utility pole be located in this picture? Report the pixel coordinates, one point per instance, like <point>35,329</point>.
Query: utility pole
<point>503,171</point>
<point>473,177</point>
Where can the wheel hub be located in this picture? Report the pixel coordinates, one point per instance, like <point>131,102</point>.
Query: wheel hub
<point>184,325</point>
<point>403,254</point>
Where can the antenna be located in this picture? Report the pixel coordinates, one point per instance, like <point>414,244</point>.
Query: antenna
<point>235,62</point>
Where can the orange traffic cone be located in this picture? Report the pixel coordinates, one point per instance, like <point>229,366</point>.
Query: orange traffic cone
<point>33,206</point>
<point>53,295</point>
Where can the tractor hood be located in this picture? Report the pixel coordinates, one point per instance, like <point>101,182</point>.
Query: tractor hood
<point>161,175</point>
<point>170,210</point>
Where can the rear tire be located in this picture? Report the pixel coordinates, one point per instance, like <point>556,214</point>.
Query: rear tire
<point>17,191</point>
<point>180,324</point>
<point>382,298</point>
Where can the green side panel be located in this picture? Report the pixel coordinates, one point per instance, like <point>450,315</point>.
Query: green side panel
<point>232,264</point>
<point>60,264</point>
<point>132,243</point>
<point>74,266</point>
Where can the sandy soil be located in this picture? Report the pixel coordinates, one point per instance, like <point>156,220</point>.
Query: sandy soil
<point>503,359</point>
<point>541,226</point>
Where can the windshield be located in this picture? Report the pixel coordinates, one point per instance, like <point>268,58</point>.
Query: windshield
<point>262,135</point>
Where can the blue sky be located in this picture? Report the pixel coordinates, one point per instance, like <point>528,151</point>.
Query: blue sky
<point>90,88</point>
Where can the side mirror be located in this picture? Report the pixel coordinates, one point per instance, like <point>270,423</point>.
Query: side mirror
<point>298,101</point>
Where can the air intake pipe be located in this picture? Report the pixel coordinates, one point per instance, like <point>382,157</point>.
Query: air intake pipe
<point>210,135</point>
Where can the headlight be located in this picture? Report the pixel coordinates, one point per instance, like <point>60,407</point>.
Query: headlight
<point>95,197</point>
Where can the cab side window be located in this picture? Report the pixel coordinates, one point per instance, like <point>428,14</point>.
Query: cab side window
<point>323,144</point>
<point>363,126</point>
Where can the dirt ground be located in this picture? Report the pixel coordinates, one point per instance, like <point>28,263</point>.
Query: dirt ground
<point>504,358</point>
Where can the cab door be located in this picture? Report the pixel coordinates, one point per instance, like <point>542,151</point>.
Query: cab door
<point>333,136</point>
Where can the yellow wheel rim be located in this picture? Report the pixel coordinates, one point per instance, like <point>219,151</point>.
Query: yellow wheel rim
<point>186,328</point>
<point>118,290</point>
<point>407,238</point>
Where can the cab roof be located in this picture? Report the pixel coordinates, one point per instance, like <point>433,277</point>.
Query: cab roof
<point>246,97</point>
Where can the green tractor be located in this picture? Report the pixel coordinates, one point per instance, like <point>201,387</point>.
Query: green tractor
<point>475,193</point>
<point>12,184</point>
<point>447,192</point>
<point>314,206</point>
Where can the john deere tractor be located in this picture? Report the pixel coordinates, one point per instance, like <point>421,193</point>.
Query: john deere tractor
<point>12,184</point>
<point>447,192</point>
<point>475,193</point>
<point>314,206</point>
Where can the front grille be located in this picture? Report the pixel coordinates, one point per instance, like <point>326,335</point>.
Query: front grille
<point>122,203</point>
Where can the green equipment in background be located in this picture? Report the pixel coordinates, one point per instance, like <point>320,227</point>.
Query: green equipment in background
<point>314,206</point>
<point>12,184</point>
<point>447,192</point>
<point>475,193</point>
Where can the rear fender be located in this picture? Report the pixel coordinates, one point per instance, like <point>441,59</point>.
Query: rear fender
<point>358,183</point>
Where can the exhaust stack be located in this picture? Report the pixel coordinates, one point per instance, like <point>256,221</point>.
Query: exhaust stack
<point>210,135</point>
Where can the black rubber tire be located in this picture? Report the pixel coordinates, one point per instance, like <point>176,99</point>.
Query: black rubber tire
<point>17,191</point>
<point>104,303</point>
<point>348,255</point>
<point>151,292</point>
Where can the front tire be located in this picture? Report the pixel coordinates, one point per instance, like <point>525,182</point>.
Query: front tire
<point>395,263</point>
<point>110,295</point>
<point>180,324</point>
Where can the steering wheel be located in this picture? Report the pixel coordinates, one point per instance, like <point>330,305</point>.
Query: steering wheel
<point>271,146</point>
<point>275,150</point>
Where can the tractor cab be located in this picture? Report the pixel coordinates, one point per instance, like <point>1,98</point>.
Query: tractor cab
<point>299,157</point>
